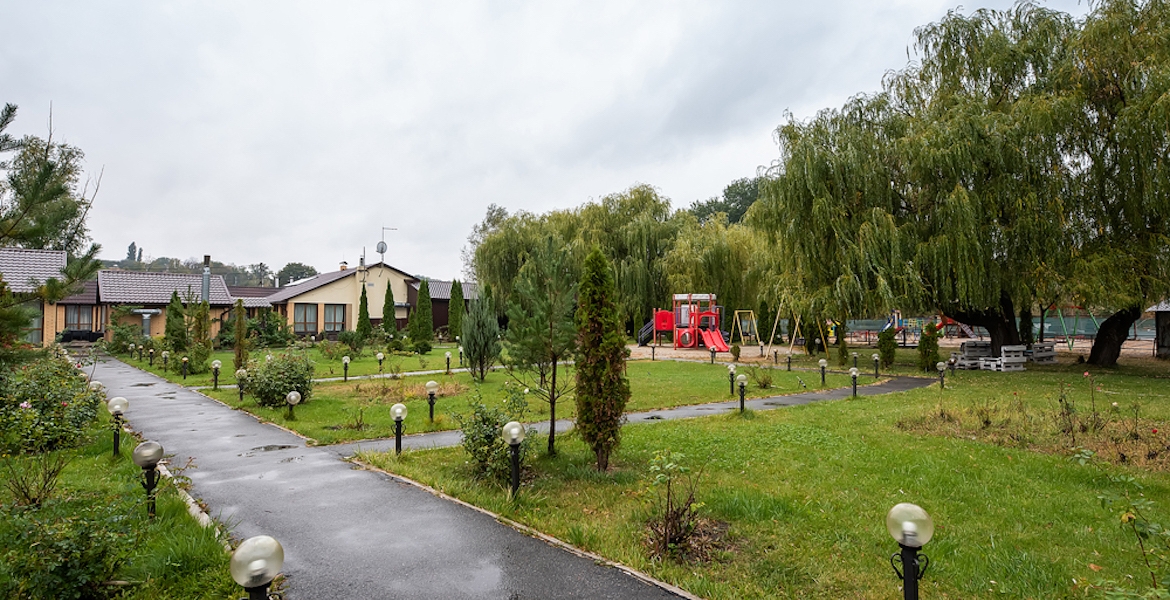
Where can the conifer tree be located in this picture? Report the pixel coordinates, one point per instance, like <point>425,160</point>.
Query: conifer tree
<point>602,387</point>
<point>455,310</point>
<point>240,323</point>
<point>389,314</point>
<point>481,338</point>
<point>423,324</point>
<point>364,328</point>
<point>175,332</point>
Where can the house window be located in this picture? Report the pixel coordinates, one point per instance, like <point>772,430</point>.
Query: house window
<point>334,318</point>
<point>305,319</point>
<point>33,334</point>
<point>79,316</point>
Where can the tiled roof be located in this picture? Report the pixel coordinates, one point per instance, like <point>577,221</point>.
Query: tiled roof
<point>251,291</point>
<point>441,290</point>
<point>306,285</point>
<point>1163,307</point>
<point>87,295</point>
<point>254,302</point>
<point>25,270</point>
<point>151,287</point>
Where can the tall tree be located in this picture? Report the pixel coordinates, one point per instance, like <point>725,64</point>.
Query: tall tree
<point>240,329</point>
<point>602,387</point>
<point>389,313</point>
<point>175,332</point>
<point>737,198</point>
<point>541,333</point>
<point>132,252</point>
<point>481,338</point>
<point>424,323</point>
<point>455,309</point>
<point>294,271</point>
<point>364,328</point>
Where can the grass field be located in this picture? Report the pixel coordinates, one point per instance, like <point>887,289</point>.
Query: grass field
<point>332,416</point>
<point>802,492</point>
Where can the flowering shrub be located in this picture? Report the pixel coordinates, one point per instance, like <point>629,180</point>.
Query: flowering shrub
<point>270,381</point>
<point>45,405</point>
<point>483,440</point>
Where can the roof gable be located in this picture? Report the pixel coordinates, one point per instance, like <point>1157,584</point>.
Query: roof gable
<point>152,287</point>
<point>26,269</point>
<point>307,285</point>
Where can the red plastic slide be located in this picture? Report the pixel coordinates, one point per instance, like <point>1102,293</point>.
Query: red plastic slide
<point>714,339</point>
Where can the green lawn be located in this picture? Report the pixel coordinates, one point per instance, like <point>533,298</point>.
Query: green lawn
<point>171,556</point>
<point>332,414</point>
<point>803,492</point>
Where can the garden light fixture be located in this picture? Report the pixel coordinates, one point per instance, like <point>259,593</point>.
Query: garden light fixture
<point>942,373</point>
<point>95,386</point>
<point>398,411</point>
<point>789,359</point>
<point>912,528</point>
<point>345,367</point>
<point>140,349</point>
<point>731,379</point>
<point>461,356</point>
<point>742,381</point>
<point>432,387</point>
<point>165,354</point>
<point>241,375</point>
<point>215,365</point>
<point>855,359</point>
<point>951,364</point>
<point>381,357</point>
<point>761,349</point>
<point>184,367</point>
<point>653,353</point>
<point>514,435</point>
<point>823,363</point>
<point>448,363</point>
<point>255,563</point>
<point>876,361</point>
<point>146,455</point>
<point>292,399</point>
<point>712,356</point>
<point>853,373</point>
<point>151,353</point>
<point>117,407</point>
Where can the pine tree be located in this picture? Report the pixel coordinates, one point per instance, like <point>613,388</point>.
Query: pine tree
<point>364,328</point>
<point>240,322</point>
<point>455,310</point>
<point>175,332</point>
<point>422,323</point>
<point>481,338</point>
<point>389,314</point>
<point>602,387</point>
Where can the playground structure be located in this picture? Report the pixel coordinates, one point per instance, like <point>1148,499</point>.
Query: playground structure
<point>693,321</point>
<point>745,322</point>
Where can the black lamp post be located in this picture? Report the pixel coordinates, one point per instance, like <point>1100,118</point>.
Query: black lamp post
<point>292,399</point>
<point>942,373</point>
<point>855,359</point>
<point>117,406</point>
<point>731,379</point>
<point>761,349</point>
<point>151,355</point>
<point>853,373</point>
<point>398,411</point>
<point>139,352</point>
<point>775,358</point>
<point>215,365</point>
<point>653,353</point>
<point>381,357</point>
<point>461,356</point>
<point>789,359</point>
<point>432,387</point>
<point>130,349</point>
<point>345,368</point>
<point>241,377</point>
<point>951,364</point>
<point>448,363</point>
<point>184,367</point>
<point>742,381</point>
<point>514,435</point>
<point>823,363</point>
<point>912,528</point>
<point>712,356</point>
<point>255,563</point>
<point>877,359</point>
<point>146,455</point>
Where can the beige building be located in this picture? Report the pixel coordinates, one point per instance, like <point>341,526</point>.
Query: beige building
<point>328,303</point>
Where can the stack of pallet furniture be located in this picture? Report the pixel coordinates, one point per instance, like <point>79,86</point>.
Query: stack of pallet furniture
<point>1011,358</point>
<point>971,354</point>
<point>1043,353</point>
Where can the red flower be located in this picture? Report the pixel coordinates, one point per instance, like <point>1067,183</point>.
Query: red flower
<point>1086,373</point>
<point>67,404</point>
<point>1155,430</point>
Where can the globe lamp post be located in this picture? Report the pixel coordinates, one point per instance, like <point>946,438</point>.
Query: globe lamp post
<point>877,359</point>
<point>854,359</point>
<point>853,373</point>
<point>731,379</point>
<point>514,435</point>
<point>742,381</point>
<point>942,373</point>
<point>912,528</point>
<point>150,353</point>
<point>398,411</point>
<point>345,368</point>
<point>185,367</point>
<point>381,357</point>
<point>432,387</point>
<point>823,363</point>
<point>215,366</point>
<point>461,356</point>
<point>166,354</point>
<point>448,363</point>
<point>255,563</point>
<point>146,455</point>
<point>241,377</point>
<point>117,407</point>
<point>292,399</point>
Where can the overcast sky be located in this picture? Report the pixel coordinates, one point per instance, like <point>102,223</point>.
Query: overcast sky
<point>285,131</point>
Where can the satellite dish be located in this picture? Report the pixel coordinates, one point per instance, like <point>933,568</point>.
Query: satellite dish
<point>381,247</point>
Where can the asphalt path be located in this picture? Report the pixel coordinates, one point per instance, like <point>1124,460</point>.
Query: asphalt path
<point>348,532</point>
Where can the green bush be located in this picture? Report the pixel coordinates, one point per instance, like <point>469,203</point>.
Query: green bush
<point>482,435</point>
<point>928,347</point>
<point>45,405</point>
<point>420,346</point>
<point>887,346</point>
<point>63,550</point>
<point>270,381</point>
<point>353,341</point>
<point>735,351</point>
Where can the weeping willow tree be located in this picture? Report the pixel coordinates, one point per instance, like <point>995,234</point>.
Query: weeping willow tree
<point>944,192</point>
<point>713,256</point>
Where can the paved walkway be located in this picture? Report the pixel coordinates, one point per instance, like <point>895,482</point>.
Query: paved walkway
<point>353,533</point>
<point>349,533</point>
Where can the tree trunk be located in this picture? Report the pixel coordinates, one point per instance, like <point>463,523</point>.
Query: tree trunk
<point>552,412</point>
<point>1000,324</point>
<point>1111,335</point>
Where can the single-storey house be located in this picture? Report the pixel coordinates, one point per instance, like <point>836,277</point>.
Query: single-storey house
<point>1161,329</point>
<point>149,292</point>
<point>328,303</point>
<point>24,271</point>
<point>441,299</point>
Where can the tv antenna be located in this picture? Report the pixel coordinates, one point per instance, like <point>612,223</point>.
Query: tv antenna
<point>382,244</point>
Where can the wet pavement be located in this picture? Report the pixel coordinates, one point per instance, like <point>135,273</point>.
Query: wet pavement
<point>348,532</point>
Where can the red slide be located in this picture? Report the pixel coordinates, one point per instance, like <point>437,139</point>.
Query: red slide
<point>714,339</point>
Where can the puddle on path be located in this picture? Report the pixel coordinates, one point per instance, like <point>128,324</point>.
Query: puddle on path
<point>141,384</point>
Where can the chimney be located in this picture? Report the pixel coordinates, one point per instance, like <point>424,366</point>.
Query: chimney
<point>207,278</point>
<point>344,266</point>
